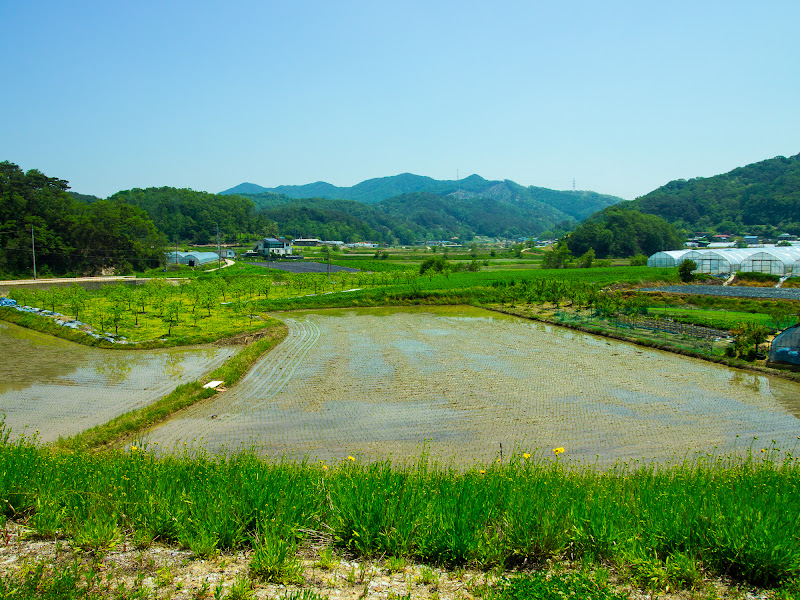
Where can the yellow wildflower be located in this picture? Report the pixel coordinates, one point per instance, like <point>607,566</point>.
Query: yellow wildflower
<point>483,472</point>
<point>349,457</point>
<point>558,451</point>
<point>526,456</point>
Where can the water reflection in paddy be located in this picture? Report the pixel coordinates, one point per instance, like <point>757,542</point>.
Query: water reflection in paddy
<point>462,381</point>
<point>60,388</point>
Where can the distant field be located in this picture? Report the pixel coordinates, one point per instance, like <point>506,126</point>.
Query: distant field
<point>720,319</point>
<point>302,266</point>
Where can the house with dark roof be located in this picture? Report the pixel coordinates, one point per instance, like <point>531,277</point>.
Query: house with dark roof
<point>273,246</point>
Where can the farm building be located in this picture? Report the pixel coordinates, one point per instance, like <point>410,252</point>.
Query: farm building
<point>277,246</point>
<point>778,261</point>
<point>306,242</point>
<point>785,347</point>
<point>193,259</point>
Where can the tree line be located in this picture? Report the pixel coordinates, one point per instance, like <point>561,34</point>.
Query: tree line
<point>187,215</point>
<point>38,215</point>
<point>618,231</point>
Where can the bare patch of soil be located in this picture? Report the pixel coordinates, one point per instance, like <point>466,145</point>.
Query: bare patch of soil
<point>248,337</point>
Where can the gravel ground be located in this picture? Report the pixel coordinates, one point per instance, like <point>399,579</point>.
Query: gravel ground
<point>171,573</point>
<point>304,267</point>
<point>730,291</point>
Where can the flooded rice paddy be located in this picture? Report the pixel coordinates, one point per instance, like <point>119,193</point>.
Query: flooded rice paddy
<point>60,388</point>
<point>458,382</point>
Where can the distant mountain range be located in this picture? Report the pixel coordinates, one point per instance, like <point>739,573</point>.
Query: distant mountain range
<point>406,207</point>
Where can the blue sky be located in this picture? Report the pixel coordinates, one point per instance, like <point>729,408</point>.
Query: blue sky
<point>621,96</point>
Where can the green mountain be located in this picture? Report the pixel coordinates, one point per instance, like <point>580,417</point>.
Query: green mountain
<point>761,198</point>
<point>185,214</point>
<point>407,207</point>
<point>244,188</point>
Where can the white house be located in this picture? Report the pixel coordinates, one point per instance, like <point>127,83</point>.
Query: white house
<point>273,246</point>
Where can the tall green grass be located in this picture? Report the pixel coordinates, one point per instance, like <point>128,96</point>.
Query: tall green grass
<point>727,515</point>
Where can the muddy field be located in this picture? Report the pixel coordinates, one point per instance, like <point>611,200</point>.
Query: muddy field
<point>60,388</point>
<point>459,382</point>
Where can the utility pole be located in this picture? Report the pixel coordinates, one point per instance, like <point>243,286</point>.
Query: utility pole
<point>33,248</point>
<point>219,252</point>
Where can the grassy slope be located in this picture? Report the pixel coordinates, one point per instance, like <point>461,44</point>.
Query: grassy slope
<point>719,515</point>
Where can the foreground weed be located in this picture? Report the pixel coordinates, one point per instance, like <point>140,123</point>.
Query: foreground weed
<point>48,519</point>
<point>164,577</point>
<point>218,591</point>
<point>327,560</point>
<point>649,573</point>
<point>684,571</point>
<point>395,564</point>
<point>304,595</point>
<point>71,582</point>
<point>540,586</point>
<point>275,560</point>
<point>142,539</point>
<point>97,532</point>
<point>242,589</point>
<point>678,571</point>
<point>201,593</point>
<point>428,576</point>
<point>204,545</point>
<point>789,591</point>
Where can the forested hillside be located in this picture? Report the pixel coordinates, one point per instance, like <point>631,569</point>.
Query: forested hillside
<point>345,220</point>
<point>761,198</point>
<point>70,235</point>
<point>406,208</point>
<point>186,215</point>
<point>416,207</point>
<point>405,219</point>
<point>620,231</point>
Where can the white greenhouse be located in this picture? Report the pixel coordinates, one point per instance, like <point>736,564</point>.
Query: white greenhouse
<point>667,258</point>
<point>191,258</point>
<point>777,261</point>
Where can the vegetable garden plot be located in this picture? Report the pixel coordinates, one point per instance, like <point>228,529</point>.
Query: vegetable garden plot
<point>59,388</point>
<point>457,382</point>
